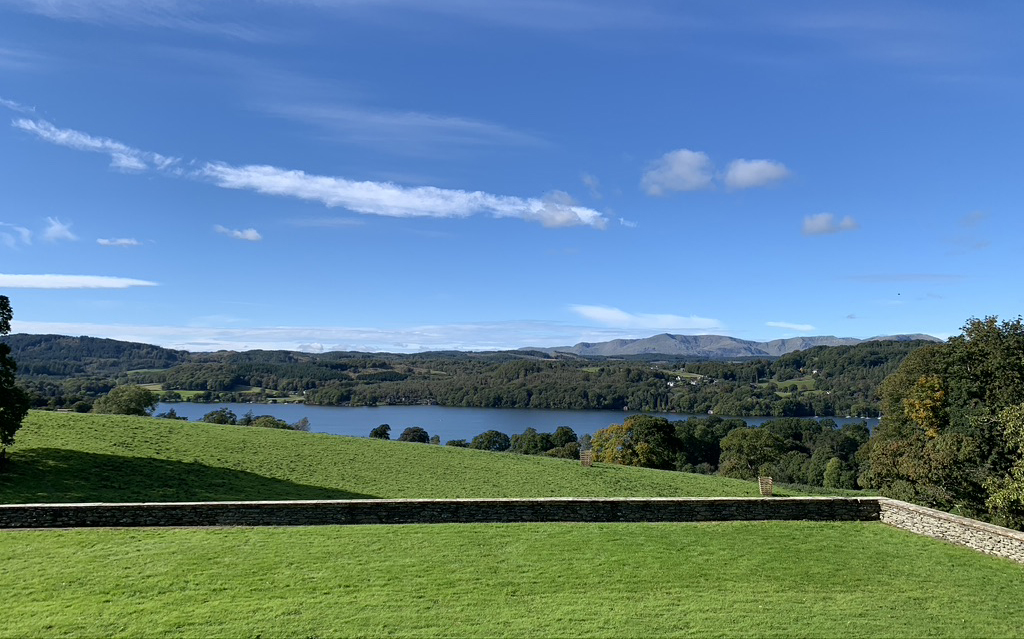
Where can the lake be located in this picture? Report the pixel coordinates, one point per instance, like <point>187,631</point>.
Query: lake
<point>446,422</point>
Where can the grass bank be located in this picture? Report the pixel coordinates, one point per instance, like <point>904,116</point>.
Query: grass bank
<point>67,457</point>
<point>779,579</point>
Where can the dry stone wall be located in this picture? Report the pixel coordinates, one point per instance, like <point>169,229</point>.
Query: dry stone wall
<point>986,538</point>
<point>433,511</point>
<point>974,534</point>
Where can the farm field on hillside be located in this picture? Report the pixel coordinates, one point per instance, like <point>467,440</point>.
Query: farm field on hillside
<point>67,457</point>
<point>778,579</point>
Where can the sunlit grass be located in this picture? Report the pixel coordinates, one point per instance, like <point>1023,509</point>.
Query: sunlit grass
<point>62,457</point>
<point>781,579</point>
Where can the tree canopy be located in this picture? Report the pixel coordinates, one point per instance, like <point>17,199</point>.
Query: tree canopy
<point>14,403</point>
<point>129,399</point>
<point>949,432</point>
<point>492,440</point>
<point>414,434</point>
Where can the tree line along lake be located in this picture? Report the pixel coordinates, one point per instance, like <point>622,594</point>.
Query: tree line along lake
<point>446,422</point>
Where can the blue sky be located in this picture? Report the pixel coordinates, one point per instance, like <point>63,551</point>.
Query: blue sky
<point>403,176</point>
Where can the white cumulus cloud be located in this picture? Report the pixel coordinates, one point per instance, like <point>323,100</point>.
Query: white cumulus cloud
<point>618,318</point>
<point>250,234</point>
<point>121,241</point>
<point>686,170</point>
<point>57,230</point>
<point>825,224</point>
<point>392,200</point>
<point>745,174</point>
<point>803,328</point>
<point>680,170</point>
<point>69,281</point>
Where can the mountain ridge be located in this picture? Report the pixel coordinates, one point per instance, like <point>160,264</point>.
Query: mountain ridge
<point>716,346</point>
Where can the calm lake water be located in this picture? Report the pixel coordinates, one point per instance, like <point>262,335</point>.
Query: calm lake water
<point>448,423</point>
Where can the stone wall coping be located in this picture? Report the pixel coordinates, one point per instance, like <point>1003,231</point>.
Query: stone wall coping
<point>469,500</point>
<point>954,519</point>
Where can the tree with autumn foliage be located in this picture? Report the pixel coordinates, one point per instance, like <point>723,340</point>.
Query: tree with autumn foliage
<point>642,440</point>
<point>946,438</point>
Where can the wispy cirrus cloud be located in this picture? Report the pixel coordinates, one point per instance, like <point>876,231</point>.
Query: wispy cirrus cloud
<point>182,15</point>
<point>556,209</point>
<point>19,60</point>
<point>687,170</point>
<point>122,156</point>
<point>391,200</point>
<point>15,106</point>
<point>746,174</point>
<point>196,15</point>
<point>16,236</point>
<point>404,131</point>
<point>826,224</point>
<point>802,328</point>
<point>610,316</point>
<point>57,231</point>
<point>50,281</point>
<point>120,241</point>
<point>250,234</point>
<point>593,185</point>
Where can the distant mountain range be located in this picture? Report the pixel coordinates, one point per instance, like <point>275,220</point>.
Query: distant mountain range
<point>715,346</point>
<point>66,356</point>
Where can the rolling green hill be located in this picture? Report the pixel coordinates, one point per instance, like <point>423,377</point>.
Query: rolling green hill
<point>67,457</point>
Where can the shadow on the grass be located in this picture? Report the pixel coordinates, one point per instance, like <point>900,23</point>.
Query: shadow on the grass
<point>58,475</point>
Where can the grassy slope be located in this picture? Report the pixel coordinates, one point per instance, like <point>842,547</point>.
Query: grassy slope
<point>737,579</point>
<point>64,457</point>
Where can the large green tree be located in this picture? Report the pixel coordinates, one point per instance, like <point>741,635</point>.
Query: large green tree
<point>414,434</point>
<point>14,402</point>
<point>493,440</point>
<point>1006,493</point>
<point>746,450</point>
<point>641,440</point>
<point>945,439</point>
<point>129,399</point>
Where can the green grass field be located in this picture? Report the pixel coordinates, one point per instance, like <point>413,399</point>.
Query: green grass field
<point>68,457</point>
<point>781,579</point>
<point>793,579</point>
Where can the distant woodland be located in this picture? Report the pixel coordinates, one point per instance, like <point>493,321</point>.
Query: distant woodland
<point>72,372</point>
<point>951,434</point>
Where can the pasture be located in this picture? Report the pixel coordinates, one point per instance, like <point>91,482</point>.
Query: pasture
<point>779,579</point>
<point>70,457</point>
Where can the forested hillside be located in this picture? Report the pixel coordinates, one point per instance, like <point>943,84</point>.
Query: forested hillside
<point>62,356</point>
<point>841,380</point>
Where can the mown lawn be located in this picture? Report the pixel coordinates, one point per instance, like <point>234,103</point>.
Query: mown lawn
<point>779,579</point>
<point>68,457</point>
